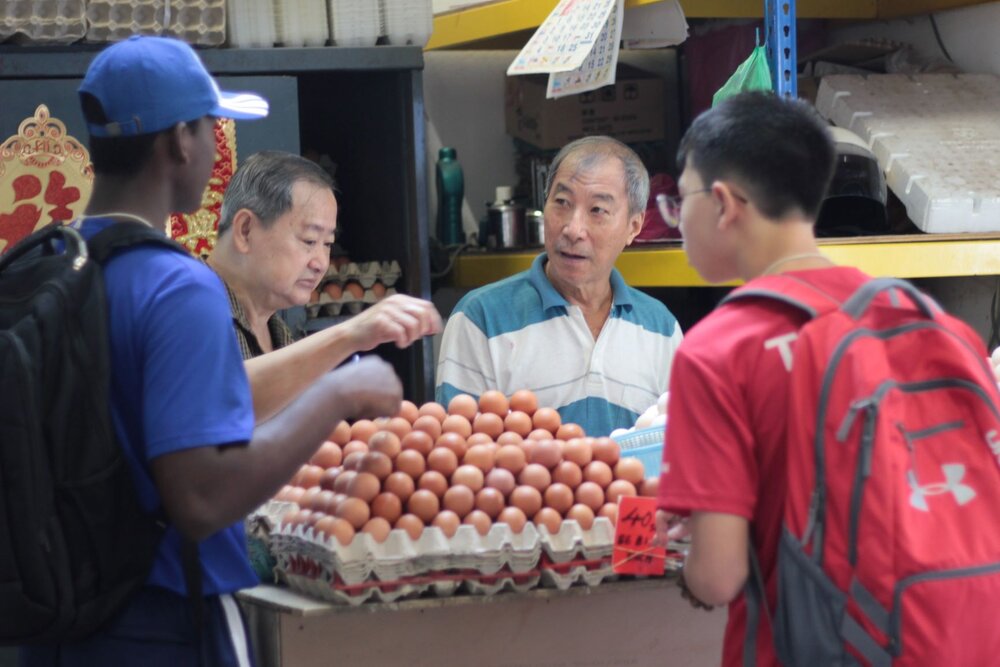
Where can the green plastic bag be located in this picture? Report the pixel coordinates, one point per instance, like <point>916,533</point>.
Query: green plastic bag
<point>753,74</point>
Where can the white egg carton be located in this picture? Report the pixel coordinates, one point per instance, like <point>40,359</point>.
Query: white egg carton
<point>354,22</point>
<point>936,136</point>
<point>201,22</point>
<point>43,21</point>
<point>366,273</point>
<point>250,24</point>
<point>590,574</point>
<point>498,584</point>
<point>407,21</point>
<point>573,542</point>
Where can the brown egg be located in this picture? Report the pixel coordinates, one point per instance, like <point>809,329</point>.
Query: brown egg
<point>388,506</point>
<point>309,476</point>
<point>606,450</point>
<point>598,472</point>
<point>559,497</point>
<point>333,290</point>
<point>548,518</point>
<point>568,473</point>
<point>355,289</point>
<point>309,498</point>
<point>535,475</point>
<point>434,482</point>
<point>336,528</point>
<point>524,401</point>
<point>418,442</point>
<point>502,480</point>
<point>341,433</point>
<point>479,439</point>
<point>443,460</point>
<point>301,517</point>
<point>547,453</point>
<point>518,422</point>
<point>479,520</point>
<point>413,526</point>
<point>411,462</point>
<point>480,456</point>
<point>527,498</point>
<point>314,296</point>
<point>408,411</point>
<point>433,409</point>
<point>448,522</point>
<point>493,402</point>
<point>344,480</point>
<point>376,463</point>
<point>291,494</point>
<point>328,455</point>
<point>352,460</point>
<point>470,476</point>
<point>400,485</point>
<point>427,424</point>
<point>363,429</point>
<point>539,434</point>
<point>590,494</point>
<point>397,425</point>
<point>609,510</point>
<point>490,501</point>
<point>569,431</point>
<point>630,469</point>
<point>454,442</point>
<point>582,514</point>
<point>459,499</point>
<point>463,405</point>
<point>353,447</point>
<point>327,502</point>
<point>512,458</point>
<point>378,528</point>
<point>378,290</point>
<point>509,438</point>
<point>488,423</point>
<point>329,476</point>
<point>547,418</point>
<point>457,424</point>
<point>354,511</point>
<point>424,504</point>
<point>650,487</point>
<point>513,517</point>
<point>365,486</point>
<point>619,488</point>
<point>578,451</point>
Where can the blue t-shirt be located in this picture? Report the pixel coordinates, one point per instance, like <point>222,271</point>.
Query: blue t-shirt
<point>177,382</point>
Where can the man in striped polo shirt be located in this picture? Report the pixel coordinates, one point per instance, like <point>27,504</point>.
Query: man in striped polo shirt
<point>569,328</point>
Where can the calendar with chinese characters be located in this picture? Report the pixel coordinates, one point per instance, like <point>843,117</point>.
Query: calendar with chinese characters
<point>577,45</point>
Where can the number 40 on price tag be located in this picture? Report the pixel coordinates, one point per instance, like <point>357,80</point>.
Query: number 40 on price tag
<point>633,553</point>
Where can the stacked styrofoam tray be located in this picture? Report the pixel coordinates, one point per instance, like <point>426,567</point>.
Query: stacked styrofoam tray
<point>251,23</point>
<point>354,22</point>
<point>201,22</point>
<point>366,274</point>
<point>44,21</point>
<point>301,22</point>
<point>936,136</point>
<point>407,21</point>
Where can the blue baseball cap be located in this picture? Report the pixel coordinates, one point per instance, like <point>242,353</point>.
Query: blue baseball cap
<point>149,84</point>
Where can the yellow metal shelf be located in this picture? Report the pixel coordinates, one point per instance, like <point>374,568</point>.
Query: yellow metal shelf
<point>917,256</point>
<point>466,27</point>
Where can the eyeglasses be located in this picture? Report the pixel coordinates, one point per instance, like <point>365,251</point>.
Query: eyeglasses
<point>669,206</point>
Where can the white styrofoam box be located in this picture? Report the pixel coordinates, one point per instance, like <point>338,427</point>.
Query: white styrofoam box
<point>936,136</point>
<point>407,21</point>
<point>251,23</point>
<point>43,21</point>
<point>354,22</point>
<point>301,22</point>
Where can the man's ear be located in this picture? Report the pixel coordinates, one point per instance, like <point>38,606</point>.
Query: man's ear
<point>177,138</point>
<point>244,225</point>
<point>635,226</point>
<point>731,206</point>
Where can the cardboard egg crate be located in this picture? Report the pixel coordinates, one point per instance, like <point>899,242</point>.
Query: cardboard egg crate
<point>199,22</point>
<point>467,562</point>
<point>366,274</point>
<point>43,21</point>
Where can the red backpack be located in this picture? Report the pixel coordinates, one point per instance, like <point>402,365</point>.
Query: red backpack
<point>890,546</point>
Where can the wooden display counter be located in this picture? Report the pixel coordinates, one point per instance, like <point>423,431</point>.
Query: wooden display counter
<point>634,623</point>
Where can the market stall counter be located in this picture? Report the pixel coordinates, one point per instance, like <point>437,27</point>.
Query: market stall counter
<point>634,622</point>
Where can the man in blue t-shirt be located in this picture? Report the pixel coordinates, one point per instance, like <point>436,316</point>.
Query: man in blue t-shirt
<point>181,400</point>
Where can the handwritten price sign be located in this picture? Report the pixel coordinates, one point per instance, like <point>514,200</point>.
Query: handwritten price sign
<point>633,535</point>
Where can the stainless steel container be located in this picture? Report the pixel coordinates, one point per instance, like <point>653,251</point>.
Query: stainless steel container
<point>534,228</point>
<point>504,221</point>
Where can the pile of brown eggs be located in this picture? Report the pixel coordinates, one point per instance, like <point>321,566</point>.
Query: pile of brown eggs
<point>497,460</point>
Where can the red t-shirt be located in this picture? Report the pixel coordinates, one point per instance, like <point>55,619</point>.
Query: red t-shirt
<point>726,427</point>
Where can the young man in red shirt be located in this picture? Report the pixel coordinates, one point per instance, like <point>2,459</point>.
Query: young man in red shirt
<point>755,171</point>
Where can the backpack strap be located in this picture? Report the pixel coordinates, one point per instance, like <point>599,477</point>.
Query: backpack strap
<point>787,289</point>
<point>125,234</point>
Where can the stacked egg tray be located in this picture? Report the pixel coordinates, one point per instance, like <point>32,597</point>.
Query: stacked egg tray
<point>468,562</point>
<point>43,21</point>
<point>200,22</point>
<point>935,136</point>
<point>374,280</point>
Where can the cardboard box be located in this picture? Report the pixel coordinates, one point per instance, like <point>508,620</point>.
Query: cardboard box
<point>631,110</point>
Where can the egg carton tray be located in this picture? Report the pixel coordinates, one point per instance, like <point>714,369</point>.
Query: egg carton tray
<point>935,136</point>
<point>366,273</point>
<point>200,22</point>
<point>43,21</point>
<point>347,304</point>
<point>573,542</point>
<point>586,572</point>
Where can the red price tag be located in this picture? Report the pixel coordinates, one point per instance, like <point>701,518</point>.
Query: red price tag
<point>633,535</point>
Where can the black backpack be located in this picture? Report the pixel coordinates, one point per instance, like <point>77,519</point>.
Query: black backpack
<point>74,542</point>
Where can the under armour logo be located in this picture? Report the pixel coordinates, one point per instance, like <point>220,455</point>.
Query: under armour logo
<point>953,475</point>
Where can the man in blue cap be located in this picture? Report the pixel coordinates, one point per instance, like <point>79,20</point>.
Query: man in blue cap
<point>181,401</point>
